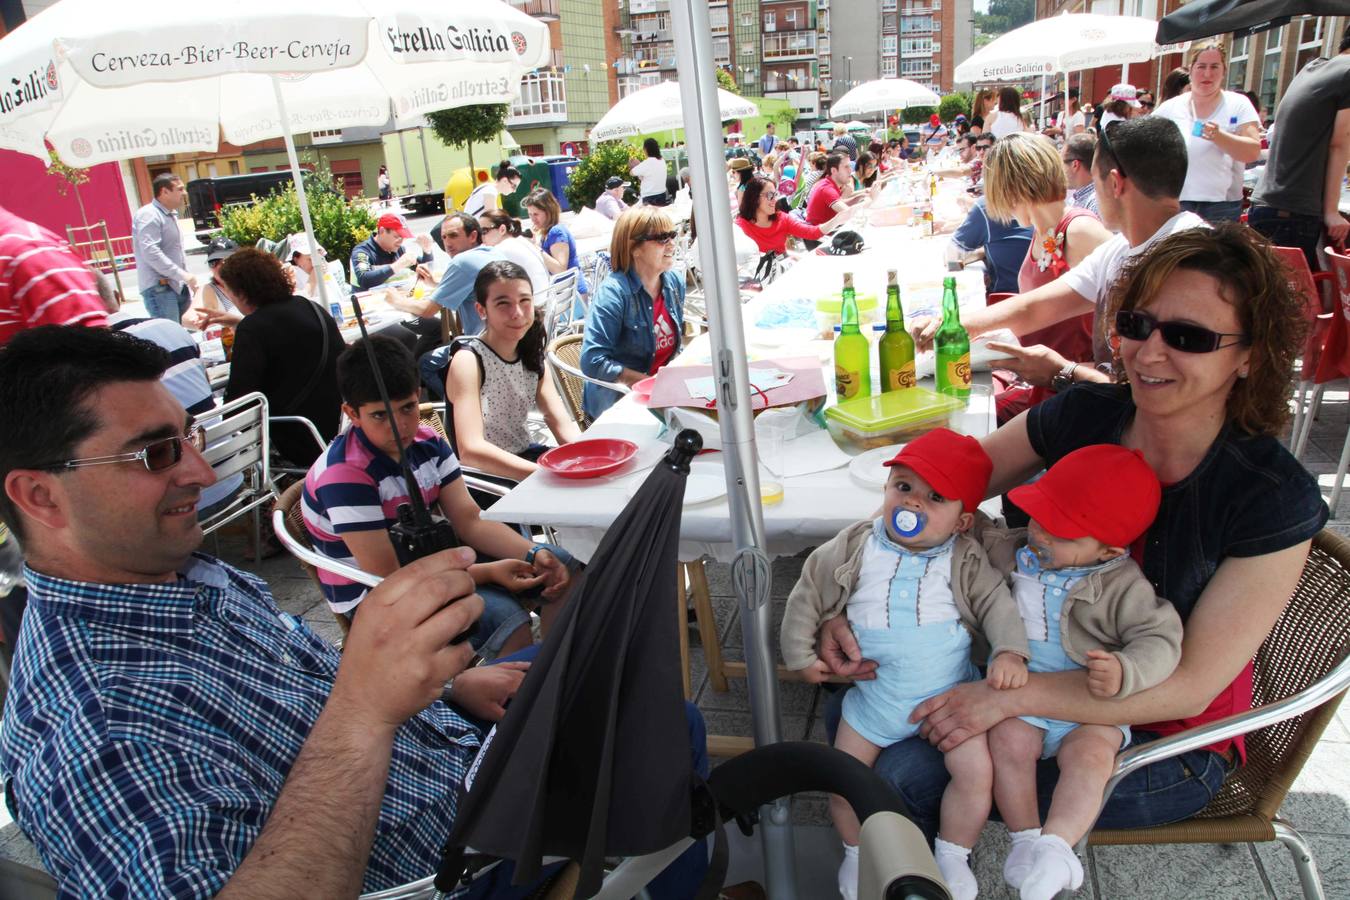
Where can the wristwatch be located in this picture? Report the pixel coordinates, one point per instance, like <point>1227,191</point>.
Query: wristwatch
<point>1063,379</point>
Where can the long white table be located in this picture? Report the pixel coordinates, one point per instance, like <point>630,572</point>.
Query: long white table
<point>816,506</point>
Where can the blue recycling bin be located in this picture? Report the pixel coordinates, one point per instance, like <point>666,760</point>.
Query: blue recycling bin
<point>560,170</point>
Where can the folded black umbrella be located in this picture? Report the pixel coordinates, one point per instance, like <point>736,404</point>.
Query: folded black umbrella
<point>592,758</point>
<point>1207,18</point>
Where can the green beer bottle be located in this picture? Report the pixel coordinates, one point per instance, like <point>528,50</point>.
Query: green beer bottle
<point>852,353</point>
<point>896,347</point>
<point>953,346</point>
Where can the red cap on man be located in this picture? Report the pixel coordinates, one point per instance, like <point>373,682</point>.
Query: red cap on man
<point>934,121</point>
<point>954,464</point>
<point>1103,491</point>
<point>394,222</point>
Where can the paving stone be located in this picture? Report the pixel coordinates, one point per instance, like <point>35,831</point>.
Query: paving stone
<point>1328,853</point>
<point>1214,872</point>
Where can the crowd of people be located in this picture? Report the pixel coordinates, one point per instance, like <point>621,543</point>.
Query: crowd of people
<point>169,731</point>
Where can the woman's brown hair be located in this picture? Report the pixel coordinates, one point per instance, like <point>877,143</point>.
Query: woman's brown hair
<point>634,223</point>
<point>541,199</point>
<point>255,276</point>
<point>1254,281</point>
<point>1020,168</point>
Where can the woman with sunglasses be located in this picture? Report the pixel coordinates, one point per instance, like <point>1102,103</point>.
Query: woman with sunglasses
<point>1206,329</point>
<point>1222,135</point>
<point>636,321</point>
<point>763,222</point>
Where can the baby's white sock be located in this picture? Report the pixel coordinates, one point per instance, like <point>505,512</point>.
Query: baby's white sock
<point>953,862</point>
<point>1018,863</point>
<point>1054,868</point>
<point>848,873</point>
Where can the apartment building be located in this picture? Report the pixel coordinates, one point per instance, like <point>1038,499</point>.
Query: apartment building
<point>789,44</point>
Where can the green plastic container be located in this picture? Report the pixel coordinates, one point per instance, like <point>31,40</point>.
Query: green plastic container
<point>890,418</point>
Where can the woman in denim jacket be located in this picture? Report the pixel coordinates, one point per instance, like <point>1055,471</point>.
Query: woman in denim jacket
<point>636,320</point>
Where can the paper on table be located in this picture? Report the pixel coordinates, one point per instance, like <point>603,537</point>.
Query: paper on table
<point>761,379</point>
<point>790,444</point>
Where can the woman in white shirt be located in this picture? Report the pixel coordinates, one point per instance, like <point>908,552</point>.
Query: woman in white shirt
<point>503,232</point>
<point>484,197</point>
<point>652,172</point>
<point>1222,135</point>
<point>1008,120</point>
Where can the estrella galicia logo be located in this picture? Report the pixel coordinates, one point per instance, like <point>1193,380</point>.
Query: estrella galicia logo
<point>81,148</point>
<point>518,41</point>
<point>52,82</point>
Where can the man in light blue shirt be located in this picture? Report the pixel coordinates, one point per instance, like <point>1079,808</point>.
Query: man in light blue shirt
<point>162,277</point>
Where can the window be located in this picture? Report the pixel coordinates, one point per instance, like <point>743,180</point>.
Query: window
<point>721,48</point>
<point>1237,63</point>
<point>234,167</point>
<point>1309,41</point>
<point>719,19</point>
<point>888,67</point>
<point>770,20</point>
<point>747,19</point>
<point>790,17</point>
<point>1145,9</point>
<point>1270,67</point>
<point>888,44</point>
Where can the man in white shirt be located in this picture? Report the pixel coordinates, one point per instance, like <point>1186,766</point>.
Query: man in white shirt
<point>1138,171</point>
<point>610,202</point>
<point>162,276</point>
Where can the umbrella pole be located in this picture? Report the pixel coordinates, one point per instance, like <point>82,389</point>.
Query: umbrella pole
<point>750,567</point>
<point>320,264</point>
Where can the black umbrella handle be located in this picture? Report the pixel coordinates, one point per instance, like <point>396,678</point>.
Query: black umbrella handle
<point>688,443</point>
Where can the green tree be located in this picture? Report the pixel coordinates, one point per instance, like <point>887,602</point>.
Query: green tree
<point>461,126</point>
<point>1005,15</point>
<point>955,104</point>
<point>913,115</point>
<point>726,82</point>
<point>604,161</point>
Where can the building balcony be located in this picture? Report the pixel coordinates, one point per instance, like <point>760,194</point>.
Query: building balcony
<point>780,84</point>
<point>548,10</point>
<point>790,45</point>
<point>918,53</point>
<point>652,37</point>
<point>636,7</point>
<point>543,101</point>
<point>806,102</point>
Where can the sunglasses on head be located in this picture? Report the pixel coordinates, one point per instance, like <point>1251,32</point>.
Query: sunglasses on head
<point>156,456</point>
<point>1137,325</point>
<point>661,237</point>
<point>1105,140</point>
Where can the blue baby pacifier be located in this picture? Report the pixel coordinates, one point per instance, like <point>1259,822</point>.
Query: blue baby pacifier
<point>1032,559</point>
<point>907,523</point>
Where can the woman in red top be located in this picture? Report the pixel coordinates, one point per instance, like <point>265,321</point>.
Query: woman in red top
<point>1024,179</point>
<point>769,228</point>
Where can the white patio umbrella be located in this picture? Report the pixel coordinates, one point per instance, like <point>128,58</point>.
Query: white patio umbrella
<point>106,82</point>
<point>1061,44</point>
<point>659,108</point>
<point>883,95</point>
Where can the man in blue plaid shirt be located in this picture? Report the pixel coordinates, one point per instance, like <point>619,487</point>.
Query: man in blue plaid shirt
<point>170,732</point>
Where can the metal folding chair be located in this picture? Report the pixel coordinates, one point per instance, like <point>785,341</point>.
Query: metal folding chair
<point>237,442</point>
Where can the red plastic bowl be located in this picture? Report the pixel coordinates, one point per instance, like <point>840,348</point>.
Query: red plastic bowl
<point>588,459</point>
<point>642,390</point>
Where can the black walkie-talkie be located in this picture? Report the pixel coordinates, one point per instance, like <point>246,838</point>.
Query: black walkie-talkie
<point>416,534</point>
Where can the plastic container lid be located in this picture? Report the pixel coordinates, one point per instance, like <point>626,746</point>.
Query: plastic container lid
<point>833,303</point>
<point>894,410</point>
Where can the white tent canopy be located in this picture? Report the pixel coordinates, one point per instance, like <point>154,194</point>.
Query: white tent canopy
<point>882,95</point>
<point>659,108</point>
<point>1062,43</point>
<point>109,86</point>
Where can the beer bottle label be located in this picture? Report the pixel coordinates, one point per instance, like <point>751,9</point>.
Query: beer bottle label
<point>846,383</point>
<point>958,371</point>
<point>902,377</point>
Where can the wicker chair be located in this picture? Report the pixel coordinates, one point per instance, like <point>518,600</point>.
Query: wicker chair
<point>564,361</point>
<point>288,504</point>
<point>1300,675</point>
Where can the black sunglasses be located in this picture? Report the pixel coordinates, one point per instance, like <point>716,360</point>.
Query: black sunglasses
<point>1106,145</point>
<point>156,456</point>
<point>1148,103</point>
<point>661,237</point>
<point>1137,325</point>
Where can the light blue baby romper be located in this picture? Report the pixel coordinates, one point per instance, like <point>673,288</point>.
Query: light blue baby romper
<point>1040,599</point>
<point>920,646</point>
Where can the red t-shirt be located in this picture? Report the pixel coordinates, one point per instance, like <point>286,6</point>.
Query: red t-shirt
<point>819,209</point>
<point>41,281</point>
<point>663,326</point>
<point>774,238</point>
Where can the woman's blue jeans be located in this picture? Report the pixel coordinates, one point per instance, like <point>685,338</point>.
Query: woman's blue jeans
<point>1167,791</point>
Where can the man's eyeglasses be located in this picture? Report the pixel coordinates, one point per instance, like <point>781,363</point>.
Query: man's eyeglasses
<point>661,237</point>
<point>1106,145</point>
<point>1137,325</point>
<point>156,456</point>
<point>982,148</point>
<point>1147,104</point>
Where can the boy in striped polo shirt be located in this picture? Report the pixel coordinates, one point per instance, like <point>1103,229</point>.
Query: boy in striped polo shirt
<point>353,491</point>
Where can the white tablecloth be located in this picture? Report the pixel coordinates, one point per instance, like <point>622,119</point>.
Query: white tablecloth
<point>815,507</point>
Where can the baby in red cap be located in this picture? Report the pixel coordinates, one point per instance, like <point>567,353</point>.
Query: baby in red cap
<point>1085,605</point>
<point>918,592</point>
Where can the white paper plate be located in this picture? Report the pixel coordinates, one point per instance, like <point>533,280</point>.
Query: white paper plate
<point>704,488</point>
<point>866,468</point>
